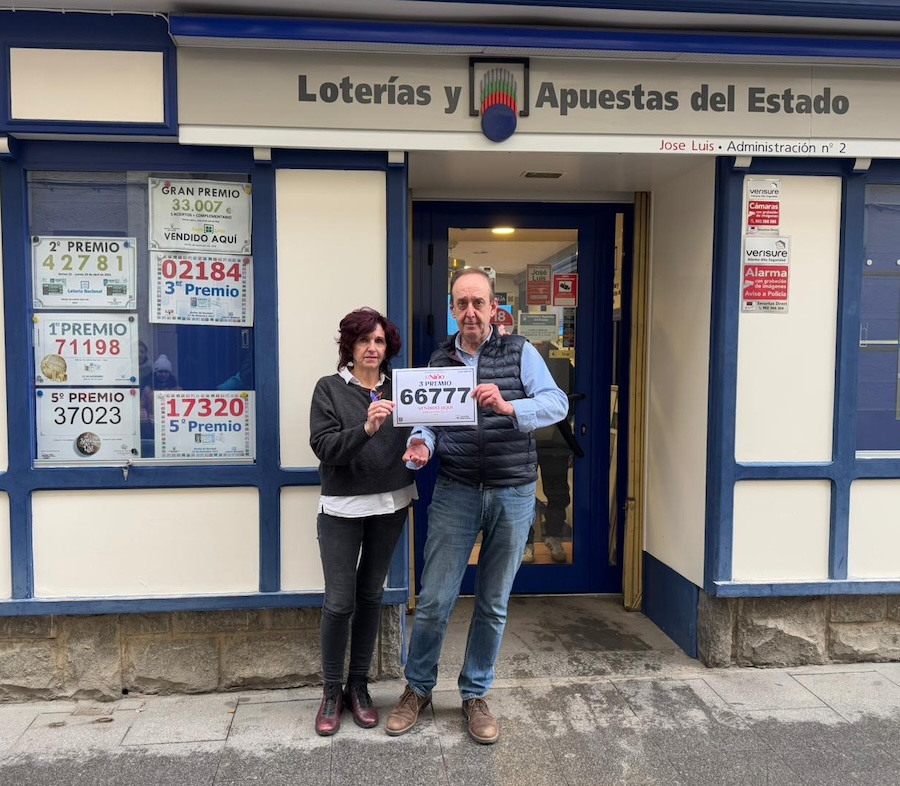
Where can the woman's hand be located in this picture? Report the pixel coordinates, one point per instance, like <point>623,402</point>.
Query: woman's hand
<point>377,414</point>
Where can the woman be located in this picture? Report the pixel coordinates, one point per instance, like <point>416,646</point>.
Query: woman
<point>366,490</point>
<point>163,379</point>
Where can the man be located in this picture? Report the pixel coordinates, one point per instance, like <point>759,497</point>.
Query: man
<point>486,485</point>
<point>554,449</point>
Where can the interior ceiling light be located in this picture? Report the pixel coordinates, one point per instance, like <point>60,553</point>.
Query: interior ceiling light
<point>503,230</point>
<point>543,175</point>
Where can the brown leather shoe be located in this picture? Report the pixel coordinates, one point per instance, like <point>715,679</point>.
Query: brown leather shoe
<point>328,718</point>
<point>357,698</point>
<point>483,727</point>
<point>404,716</point>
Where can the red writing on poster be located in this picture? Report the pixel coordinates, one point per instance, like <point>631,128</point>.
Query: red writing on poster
<point>763,214</point>
<point>565,289</point>
<point>765,282</point>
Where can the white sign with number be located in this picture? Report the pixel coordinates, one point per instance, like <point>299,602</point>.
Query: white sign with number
<point>87,424</point>
<point>84,272</point>
<point>204,424</point>
<point>200,215</point>
<point>201,289</point>
<point>85,349</point>
<point>434,396</point>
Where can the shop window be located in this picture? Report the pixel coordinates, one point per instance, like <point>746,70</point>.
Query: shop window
<point>878,403</point>
<point>142,311</point>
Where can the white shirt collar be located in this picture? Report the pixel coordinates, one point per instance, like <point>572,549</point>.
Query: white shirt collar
<point>348,377</point>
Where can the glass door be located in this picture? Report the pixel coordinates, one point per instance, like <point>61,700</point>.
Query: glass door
<point>552,268</point>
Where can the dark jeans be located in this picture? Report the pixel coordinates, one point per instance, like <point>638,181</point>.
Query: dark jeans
<point>354,587</point>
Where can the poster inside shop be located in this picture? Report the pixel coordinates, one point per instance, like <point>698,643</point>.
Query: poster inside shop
<point>765,274</point>
<point>84,272</point>
<point>538,285</point>
<point>201,289</point>
<point>763,206</point>
<point>85,349</point>
<point>199,215</point>
<point>539,327</point>
<point>204,424</point>
<point>87,425</point>
<point>565,289</point>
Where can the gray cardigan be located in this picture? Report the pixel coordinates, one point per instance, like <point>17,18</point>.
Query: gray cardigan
<point>352,462</point>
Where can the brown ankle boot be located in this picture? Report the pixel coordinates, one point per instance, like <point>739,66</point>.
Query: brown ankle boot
<point>328,718</point>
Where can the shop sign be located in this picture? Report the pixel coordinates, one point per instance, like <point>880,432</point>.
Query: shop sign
<point>765,274</point>
<point>204,424</point>
<point>537,285</point>
<point>201,289</point>
<point>565,289</point>
<point>539,327</point>
<point>763,206</point>
<point>200,215</point>
<point>84,272</point>
<point>434,396</point>
<point>601,105</point>
<point>87,425</point>
<point>85,349</point>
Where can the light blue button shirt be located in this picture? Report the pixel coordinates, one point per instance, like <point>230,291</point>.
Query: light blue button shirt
<point>546,403</point>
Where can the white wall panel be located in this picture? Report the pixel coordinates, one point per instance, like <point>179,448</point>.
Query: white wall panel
<point>781,530</point>
<point>146,542</point>
<point>5,549</point>
<point>332,258</point>
<point>785,378</point>
<point>4,433</point>
<point>678,376</point>
<point>301,565</point>
<point>874,547</point>
<point>87,85</point>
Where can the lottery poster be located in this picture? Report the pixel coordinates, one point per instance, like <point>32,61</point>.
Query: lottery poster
<point>84,272</point>
<point>85,349</point>
<point>86,425</point>
<point>200,215</point>
<point>201,289</point>
<point>204,424</point>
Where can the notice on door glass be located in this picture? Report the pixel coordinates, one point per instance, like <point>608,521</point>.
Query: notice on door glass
<point>87,425</point>
<point>204,424</point>
<point>84,272</point>
<point>85,349</point>
<point>765,275</point>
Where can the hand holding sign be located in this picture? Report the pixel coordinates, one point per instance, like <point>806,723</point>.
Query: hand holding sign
<point>489,396</point>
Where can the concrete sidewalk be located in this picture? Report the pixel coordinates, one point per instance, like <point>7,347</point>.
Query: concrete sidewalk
<point>582,698</point>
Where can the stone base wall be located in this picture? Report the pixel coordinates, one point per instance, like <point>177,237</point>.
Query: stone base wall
<point>106,656</point>
<point>798,631</point>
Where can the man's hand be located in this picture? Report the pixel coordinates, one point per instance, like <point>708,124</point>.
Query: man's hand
<point>489,396</point>
<point>377,414</point>
<point>417,452</point>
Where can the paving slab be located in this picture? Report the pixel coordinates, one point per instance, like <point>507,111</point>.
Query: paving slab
<point>681,715</point>
<point>173,719</point>
<point>65,734</point>
<point>761,690</point>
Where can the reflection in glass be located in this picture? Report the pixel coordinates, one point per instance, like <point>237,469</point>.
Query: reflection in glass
<point>524,266</point>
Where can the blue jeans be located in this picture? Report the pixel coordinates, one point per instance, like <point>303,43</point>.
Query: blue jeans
<point>356,555</point>
<point>458,512</point>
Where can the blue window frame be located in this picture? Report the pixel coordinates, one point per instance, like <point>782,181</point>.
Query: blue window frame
<point>22,478</point>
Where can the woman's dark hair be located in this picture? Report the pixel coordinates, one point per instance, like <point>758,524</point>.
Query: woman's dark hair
<point>362,322</point>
